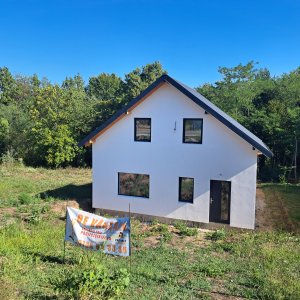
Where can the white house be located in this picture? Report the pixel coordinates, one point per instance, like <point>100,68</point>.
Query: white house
<point>172,153</point>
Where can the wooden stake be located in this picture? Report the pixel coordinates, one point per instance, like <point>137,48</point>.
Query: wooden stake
<point>129,240</point>
<point>64,252</point>
<point>296,153</point>
<point>65,235</point>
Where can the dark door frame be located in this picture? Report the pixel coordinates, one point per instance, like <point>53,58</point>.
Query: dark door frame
<point>219,220</point>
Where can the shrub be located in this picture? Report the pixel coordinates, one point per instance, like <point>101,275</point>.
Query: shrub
<point>9,160</point>
<point>25,198</point>
<point>185,230</point>
<point>35,214</point>
<point>92,282</point>
<point>154,222</point>
<point>217,235</point>
<point>212,266</point>
<point>166,236</point>
<point>163,230</point>
<point>32,213</point>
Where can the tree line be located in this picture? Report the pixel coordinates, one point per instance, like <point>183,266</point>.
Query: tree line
<point>41,123</point>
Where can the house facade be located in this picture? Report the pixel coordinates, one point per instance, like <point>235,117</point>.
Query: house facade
<point>171,153</point>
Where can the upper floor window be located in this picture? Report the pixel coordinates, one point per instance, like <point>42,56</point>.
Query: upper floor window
<point>186,189</point>
<point>192,131</point>
<point>142,129</point>
<point>133,184</point>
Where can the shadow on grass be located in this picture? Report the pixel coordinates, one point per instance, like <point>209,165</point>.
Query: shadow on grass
<point>41,296</point>
<point>80,193</point>
<point>52,258</point>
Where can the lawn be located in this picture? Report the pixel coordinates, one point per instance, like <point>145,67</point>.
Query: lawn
<point>70,183</point>
<point>283,202</point>
<point>168,262</point>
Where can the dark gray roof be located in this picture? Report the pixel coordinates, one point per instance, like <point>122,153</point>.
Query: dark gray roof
<point>198,99</point>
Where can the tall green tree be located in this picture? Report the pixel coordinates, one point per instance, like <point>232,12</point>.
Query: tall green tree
<point>267,106</point>
<point>7,86</point>
<point>106,92</point>
<point>105,87</point>
<point>52,140</point>
<point>139,79</point>
<point>42,122</point>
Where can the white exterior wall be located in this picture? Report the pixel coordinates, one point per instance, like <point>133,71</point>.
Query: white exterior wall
<point>223,155</point>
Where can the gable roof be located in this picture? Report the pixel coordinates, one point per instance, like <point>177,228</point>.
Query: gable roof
<point>195,97</point>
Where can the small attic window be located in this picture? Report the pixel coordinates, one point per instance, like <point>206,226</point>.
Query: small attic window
<point>142,129</point>
<point>192,131</point>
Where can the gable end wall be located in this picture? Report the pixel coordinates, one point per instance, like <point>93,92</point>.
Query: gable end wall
<point>222,156</point>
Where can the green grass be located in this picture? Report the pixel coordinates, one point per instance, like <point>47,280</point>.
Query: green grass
<point>249,265</point>
<point>17,183</point>
<point>167,262</point>
<point>283,201</point>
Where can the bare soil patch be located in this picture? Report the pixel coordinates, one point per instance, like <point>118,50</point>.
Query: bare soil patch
<point>262,216</point>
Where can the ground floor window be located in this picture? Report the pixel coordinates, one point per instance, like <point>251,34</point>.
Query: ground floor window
<point>186,189</point>
<point>133,184</point>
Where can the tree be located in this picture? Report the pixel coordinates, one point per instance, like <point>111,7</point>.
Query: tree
<point>42,122</point>
<point>139,79</point>
<point>4,130</point>
<point>7,86</point>
<point>105,87</point>
<point>52,139</point>
<point>268,106</point>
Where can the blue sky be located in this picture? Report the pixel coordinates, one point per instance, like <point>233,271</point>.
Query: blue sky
<point>190,38</point>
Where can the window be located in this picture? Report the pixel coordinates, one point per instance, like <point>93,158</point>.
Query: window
<point>192,131</point>
<point>133,184</point>
<point>186,189</point>
<point>142,129</point>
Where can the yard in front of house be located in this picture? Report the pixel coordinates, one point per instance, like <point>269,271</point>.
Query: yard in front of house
<point>168,262</point>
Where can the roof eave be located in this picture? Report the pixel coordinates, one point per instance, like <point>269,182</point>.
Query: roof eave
<point>266,151</point>
<point>145,93</point>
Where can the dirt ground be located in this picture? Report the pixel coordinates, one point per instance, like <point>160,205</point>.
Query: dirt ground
<point>262,216</point>
<point>263,219</point>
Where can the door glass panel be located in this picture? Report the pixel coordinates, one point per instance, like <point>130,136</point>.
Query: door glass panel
<point>225,198</point>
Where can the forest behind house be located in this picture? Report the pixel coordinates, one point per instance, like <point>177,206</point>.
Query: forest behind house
<point>41,123</point>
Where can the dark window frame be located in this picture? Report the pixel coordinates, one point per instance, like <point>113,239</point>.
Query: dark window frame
<point>120,194</point>
<point>183,131</point>
<point>135,121</point>
<point>179,195</point>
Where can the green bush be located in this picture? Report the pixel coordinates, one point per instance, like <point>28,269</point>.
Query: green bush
<point>32,213</point>
<point>217,235</point>
<point>185,230</point>
<point>212,266</point>
<point>93,281</point>
<point>25,198</point>
<point>165,237</point>
<point>154,222</point>
<point>163,230</point>
<point>35,214</point>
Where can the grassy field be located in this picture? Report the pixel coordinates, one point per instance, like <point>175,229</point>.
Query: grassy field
<point>283,203</point>
<point>168,262</point>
